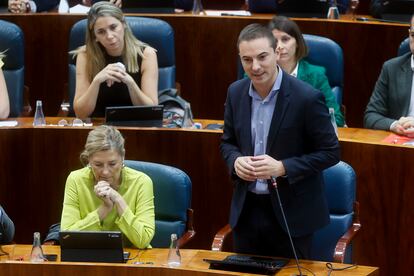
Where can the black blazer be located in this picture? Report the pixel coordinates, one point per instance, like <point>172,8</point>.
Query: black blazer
<point>301,136</point>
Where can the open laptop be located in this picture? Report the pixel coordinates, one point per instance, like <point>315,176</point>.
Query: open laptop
<point>148,6</point>
<point>139,116</point>
<point>91,246</point>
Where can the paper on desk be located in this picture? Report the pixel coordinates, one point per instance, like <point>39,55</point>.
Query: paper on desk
<point>398,140</point>
<point>232,13</point>
<point>79,9</point>
<point>8,123</point>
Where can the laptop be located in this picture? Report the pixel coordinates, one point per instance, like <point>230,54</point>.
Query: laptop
<point>138,116</point>
<point>148,6</point>
<point>248,264</point>
<point>91,246</point>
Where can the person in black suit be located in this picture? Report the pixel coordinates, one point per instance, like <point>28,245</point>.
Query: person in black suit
<point>276,127</point>
<point>24,6</point>
<point>6,227</point>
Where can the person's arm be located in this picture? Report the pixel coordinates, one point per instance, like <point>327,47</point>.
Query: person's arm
<point>71,213</point>
<point>4,97</point>
<point>136,212</point>
<point>229,146</point>
<point>377,109</point>
<point>6,227</point>
<point>319,140</point>
<point>86,93</point>
<point>147,92</point>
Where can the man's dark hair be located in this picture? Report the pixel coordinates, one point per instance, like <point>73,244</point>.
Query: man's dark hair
<point>256,31</point>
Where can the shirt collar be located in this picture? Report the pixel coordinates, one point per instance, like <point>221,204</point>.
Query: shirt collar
<point>273,91</point>
<point>295,71</point>
<point>412,63</point>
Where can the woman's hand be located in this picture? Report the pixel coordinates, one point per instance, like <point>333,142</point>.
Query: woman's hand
<point>104,191</point>
<point>18,6</point>
<point>112,73</point>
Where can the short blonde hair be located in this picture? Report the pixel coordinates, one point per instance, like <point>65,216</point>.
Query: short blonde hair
<point>103,138</point>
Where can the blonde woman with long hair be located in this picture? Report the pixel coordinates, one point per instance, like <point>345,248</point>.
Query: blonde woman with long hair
<point>114,68</point>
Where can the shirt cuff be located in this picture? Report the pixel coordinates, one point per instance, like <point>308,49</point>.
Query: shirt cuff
<point>392,125</point>
<point>33,7</point>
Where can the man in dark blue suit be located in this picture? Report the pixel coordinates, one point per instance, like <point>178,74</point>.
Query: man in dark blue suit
<point>276,127</point>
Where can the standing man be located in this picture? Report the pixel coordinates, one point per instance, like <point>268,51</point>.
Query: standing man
<point>391,106</point>
<point>275,126</point>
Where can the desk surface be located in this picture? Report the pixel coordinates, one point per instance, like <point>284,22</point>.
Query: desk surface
<point>191,264</point>
<point>36,162</point>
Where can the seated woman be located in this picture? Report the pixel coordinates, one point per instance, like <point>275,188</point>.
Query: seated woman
<point>6,227</point>
<point>106,195</point>
<point>113,68</point>
<point>292,50</point>
<point>4,96</point>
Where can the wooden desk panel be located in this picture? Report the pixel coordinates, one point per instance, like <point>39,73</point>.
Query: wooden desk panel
<point>36,161</point>
<point>191,264</point>
<point>206,56</point>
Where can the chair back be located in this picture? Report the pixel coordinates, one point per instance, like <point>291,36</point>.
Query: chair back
<point>12,41</point>
<point>404,47</point>
<point>155,32</point>
<point>172,198</point>
<point>340,182</point>
<point>327,53</point>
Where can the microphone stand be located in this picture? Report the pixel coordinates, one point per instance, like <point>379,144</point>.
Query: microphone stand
<point>274,183</point>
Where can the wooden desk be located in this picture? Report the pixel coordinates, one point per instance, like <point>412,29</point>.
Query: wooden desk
<point>206,56</point>
<point>192,264</point>
<point>35,162</point>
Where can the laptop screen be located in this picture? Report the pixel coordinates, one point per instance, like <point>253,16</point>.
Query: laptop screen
<point>91,246</point>
<point>139,116</point>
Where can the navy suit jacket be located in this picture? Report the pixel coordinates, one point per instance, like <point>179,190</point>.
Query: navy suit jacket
<point>301,136</point>
<point>45,5</point>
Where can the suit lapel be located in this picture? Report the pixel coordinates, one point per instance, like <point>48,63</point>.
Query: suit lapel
<point>246,116</point>
<point>281,107</point>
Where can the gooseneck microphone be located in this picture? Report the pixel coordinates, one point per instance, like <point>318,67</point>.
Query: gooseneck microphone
<point>274,183</point>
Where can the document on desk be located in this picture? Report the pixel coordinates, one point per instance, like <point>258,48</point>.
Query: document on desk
<point>228,13</point>
<point>79,9</point>
<point>8,123</point>
<point>398,140</point>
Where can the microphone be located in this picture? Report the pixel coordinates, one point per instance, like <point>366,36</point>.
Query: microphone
<point>274,184</point>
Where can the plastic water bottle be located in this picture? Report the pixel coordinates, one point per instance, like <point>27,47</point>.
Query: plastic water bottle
<point>197,7</point>
<point>63,6</point>
<point>39,117</point>
<point>333,121</point>
<point>333,12</point>
<point>174,256</point>
<point>37,252</point>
